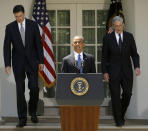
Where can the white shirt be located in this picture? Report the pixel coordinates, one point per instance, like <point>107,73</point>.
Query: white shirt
<point>117,37</point>
<point>23,23</point>
<point>76,55</point>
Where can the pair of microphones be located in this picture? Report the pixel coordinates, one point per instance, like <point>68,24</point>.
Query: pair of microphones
<point>76,64</point>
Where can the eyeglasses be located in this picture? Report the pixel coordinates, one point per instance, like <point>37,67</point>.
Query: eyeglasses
<point>79,42</point>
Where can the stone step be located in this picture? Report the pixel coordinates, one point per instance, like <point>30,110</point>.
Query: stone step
<point>42,119</point>
<point>104,125</point>
<point>46,119</point>
<point>56,120</point>
<point>57,128</point>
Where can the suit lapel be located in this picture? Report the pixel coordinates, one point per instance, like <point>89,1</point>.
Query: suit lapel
<point>124,36</point>
<point>85,59</point>
<point>124,41</point>
<point>115,40</point>
<point>72,59</point>
<point>73,62</point>
<point>16,29</point>
<point>26,32</point>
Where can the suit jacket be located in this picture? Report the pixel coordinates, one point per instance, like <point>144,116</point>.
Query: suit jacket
<point>69,64</point>
<point>31,54</point>
<point>115,61</point>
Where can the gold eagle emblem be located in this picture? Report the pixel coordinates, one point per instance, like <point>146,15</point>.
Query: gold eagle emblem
<point>79,86</point>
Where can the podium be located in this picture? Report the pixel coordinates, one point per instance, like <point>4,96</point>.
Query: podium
<point>79,97</point>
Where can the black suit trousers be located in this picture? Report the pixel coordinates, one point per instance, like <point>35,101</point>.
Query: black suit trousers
<point>120,101</point>
<point>32,76</point>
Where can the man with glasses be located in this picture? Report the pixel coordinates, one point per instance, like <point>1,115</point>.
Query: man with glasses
<point>78,61</point>
<point>118,49</point>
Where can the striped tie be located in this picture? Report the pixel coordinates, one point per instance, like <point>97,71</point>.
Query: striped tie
<point>22,32</point>
<point>80,63</point>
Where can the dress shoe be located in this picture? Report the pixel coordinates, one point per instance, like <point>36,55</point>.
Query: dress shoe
<point>120,124</point>
<point>21,124</point>
<point>34,119</point>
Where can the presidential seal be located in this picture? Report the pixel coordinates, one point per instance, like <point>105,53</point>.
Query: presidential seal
<point>79,86</point>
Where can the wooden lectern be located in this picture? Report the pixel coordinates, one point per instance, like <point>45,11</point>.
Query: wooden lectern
<point>79,97</point>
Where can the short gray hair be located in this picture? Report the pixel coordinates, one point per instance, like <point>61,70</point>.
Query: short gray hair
<point>117,18</point>
<point>78,37</point>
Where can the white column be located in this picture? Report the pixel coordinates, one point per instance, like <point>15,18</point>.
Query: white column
<point>0,103</point>
<point>7,84</point>
<point>136,22</point>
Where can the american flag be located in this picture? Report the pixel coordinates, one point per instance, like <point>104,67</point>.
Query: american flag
<point>40,15</point>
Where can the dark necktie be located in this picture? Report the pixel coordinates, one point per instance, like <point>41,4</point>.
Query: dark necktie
<point>80,63</point>
<point>120,42</point>
<point>22,32</point>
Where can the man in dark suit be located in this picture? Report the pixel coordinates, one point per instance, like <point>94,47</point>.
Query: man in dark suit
<point>27,58</point>
<point>118,49</point>
<point>78,61</point>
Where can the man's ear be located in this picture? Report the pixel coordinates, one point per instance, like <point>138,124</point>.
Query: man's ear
<point>72,44</point>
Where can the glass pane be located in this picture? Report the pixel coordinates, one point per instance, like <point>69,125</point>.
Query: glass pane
<point>101,17</point>
<point>88,17</point>
<point>59,68</point>
<point>63,51</point>
<point>63,36</point>
<point>90,50</point>
<point>63,18</point>
<point>99,68</point>
<point>100,34</point>
<point>52,17</point>
<point>53,34</point>
<point>89,35</point>
<point>54,52</point>
<point>56,67</point>
<point>99,53</point>
<point>107,91</point>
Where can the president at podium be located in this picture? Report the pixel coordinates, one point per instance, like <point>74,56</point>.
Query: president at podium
<point>79,117</point>
<point>78,61</point>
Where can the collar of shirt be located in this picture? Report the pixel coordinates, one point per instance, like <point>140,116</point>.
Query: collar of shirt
<point>23,23</point>
<point>117,36</point>
<point>77,54</point>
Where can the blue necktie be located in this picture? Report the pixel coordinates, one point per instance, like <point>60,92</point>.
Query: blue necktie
<point>80,63</point>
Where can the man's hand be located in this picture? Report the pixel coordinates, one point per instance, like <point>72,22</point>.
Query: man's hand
<point>110,30</point>
<point>137,70</point>
<point>41,67</point>
<point>8,70</point>
<point>106,77</point>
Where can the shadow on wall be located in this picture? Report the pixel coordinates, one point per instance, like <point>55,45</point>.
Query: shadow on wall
<point>132,111</point>
<point>8,94</point>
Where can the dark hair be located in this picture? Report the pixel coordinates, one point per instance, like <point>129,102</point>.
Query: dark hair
<point>18,8</point>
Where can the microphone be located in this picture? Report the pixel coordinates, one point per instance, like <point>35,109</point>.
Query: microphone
<point>82,63</point>
<point>76,64</point>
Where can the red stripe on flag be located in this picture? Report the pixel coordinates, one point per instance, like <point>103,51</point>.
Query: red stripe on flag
<point>48,50</point>
<point>46,30</point>
<point>45,77</point>
<point>49,67</point>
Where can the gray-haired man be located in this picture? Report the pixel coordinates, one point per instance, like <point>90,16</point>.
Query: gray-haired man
<point>118,49</point>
